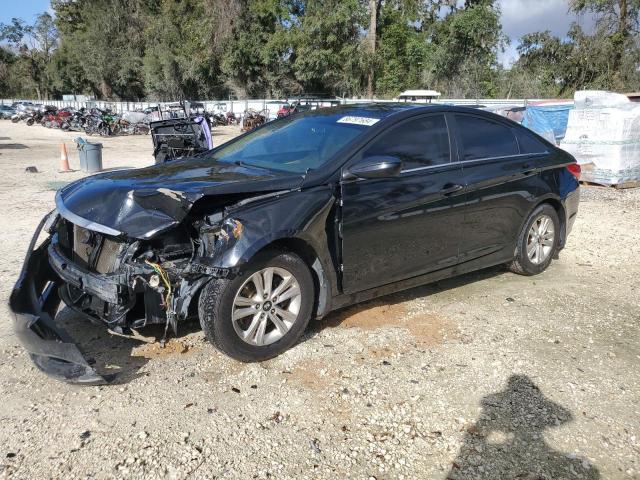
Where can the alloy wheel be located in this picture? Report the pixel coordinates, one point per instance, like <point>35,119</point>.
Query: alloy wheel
<point>540,239</point>
<point>266,306</point>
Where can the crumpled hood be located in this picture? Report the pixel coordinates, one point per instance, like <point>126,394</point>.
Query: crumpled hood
<point>142,203</point>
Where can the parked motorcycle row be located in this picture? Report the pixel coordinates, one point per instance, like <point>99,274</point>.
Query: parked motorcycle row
<point>92,121</point>
<point>105,122</point>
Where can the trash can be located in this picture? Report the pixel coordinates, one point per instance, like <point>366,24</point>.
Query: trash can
<point>80,143</point>
<point>93,151</point>
<point>90,155</point>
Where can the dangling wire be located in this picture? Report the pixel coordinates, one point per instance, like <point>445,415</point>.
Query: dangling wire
<point>167,299</point>
<point>165,279</point>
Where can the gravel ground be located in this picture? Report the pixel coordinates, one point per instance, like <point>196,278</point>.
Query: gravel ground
<point>490,375</point>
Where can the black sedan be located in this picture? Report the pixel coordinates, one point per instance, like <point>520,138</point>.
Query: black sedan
<point>284,224</point>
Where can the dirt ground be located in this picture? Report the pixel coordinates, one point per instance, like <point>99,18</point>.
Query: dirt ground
<point>490,375</point>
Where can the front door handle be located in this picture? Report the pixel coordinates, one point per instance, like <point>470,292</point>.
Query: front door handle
<point>528,169</point>
<point>451,188</point>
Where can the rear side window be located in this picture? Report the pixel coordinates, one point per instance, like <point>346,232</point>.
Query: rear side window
<point>485,139</point>
<point>422,142</point>
<point>528,143</point>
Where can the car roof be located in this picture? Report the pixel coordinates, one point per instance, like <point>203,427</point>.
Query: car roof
<point>371,110</point>
<point>398,110</point>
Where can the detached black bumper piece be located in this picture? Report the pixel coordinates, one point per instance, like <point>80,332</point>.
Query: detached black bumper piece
<point>34,302</point>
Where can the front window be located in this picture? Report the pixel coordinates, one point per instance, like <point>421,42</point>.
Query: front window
<point>295,144</point>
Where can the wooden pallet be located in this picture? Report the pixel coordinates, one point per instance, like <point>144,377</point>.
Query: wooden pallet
<point>618,186</point>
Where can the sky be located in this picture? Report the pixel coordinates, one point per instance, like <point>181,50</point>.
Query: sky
<point>519,17</point>
<point>24,9</point>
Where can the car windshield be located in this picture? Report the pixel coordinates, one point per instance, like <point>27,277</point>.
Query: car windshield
<point>295,144</point>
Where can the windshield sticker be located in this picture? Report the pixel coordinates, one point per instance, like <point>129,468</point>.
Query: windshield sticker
<point>367,121</point>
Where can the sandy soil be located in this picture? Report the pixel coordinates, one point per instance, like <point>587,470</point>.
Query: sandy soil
<point>490,375</point>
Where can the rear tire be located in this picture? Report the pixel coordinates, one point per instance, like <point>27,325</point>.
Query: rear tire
<point>258,336</point>
<point>537,242</point>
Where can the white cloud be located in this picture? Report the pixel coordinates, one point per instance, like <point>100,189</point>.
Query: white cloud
<point>520,17</point>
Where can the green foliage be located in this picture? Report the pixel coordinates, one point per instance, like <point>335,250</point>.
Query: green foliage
<point>257,59</point>
<point>558,67</point>
<point>325,52</point>
<point>467,42</point>
<point>27,60</point>
<point>197,49</point>
<point>404,54</point>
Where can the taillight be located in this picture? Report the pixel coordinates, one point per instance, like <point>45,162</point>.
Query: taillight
<point>575,170</point>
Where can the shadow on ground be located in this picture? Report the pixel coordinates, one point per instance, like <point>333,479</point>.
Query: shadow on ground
<point>507,441</point>
<point>337,318</point>
<point>113,355</point>
<point>13,146</point>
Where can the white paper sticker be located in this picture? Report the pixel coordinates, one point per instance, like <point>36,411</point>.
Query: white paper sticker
<point>359,120</point>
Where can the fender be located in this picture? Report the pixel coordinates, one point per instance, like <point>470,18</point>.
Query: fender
<point>306,216</point>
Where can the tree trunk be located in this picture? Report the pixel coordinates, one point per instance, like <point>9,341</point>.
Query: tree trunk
<point>105,90</point>
<point>620,37</point>
<point>622,24</point>
<point>373,27</point>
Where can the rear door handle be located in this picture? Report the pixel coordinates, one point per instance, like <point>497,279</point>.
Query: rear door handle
<point>451,188</point>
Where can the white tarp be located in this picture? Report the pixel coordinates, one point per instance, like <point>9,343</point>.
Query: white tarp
<point>135,117</point>
<point>603,133</point>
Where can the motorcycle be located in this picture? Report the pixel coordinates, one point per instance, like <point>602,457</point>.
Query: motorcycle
<point>124,127</point>
<point>19,116</point>
<point>254,119</point>
<point>75,122</point>
<point>23,112</point>
<point>52,117</point>
<point>95,124</point>
<point>217,119</point>
<point>231,118</point>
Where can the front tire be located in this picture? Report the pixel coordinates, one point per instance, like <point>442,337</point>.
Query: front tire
<point>262,311</point>
<point>537,242</point>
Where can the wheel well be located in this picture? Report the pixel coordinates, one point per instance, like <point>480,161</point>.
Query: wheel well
<point>557,206</point>
<point>307,253</point>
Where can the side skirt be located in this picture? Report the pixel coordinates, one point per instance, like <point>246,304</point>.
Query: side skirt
<point>498,258</point>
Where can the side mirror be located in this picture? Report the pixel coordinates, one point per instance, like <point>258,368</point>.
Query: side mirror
<point>378,166</point>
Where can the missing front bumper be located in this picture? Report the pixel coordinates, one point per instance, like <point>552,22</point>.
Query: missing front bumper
<point>34,302</point>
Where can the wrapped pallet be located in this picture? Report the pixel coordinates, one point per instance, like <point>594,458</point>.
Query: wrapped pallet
<point>603,134</point>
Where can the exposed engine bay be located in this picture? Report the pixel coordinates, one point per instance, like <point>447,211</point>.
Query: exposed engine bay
<point>124,256</point>
<point>155,279</point>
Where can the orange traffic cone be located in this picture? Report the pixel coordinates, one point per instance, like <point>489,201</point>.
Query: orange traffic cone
<point>64,159</point>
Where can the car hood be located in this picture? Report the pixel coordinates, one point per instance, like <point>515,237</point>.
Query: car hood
<point>142,203</point>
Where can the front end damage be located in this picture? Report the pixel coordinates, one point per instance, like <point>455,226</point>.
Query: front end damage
<point>123,283</point>
<point>131,248</point>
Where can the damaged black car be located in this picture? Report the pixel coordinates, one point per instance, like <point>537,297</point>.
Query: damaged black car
<point>284,224</point>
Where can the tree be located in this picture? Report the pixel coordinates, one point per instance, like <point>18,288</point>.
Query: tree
<point>105,39</point>
<point>258,56</point>
<point>467,40</point>
<point>326,52</point>
<point>197,49</point>
<point>34,45</point>
<point>404,52</point>
<point>619,22</point>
